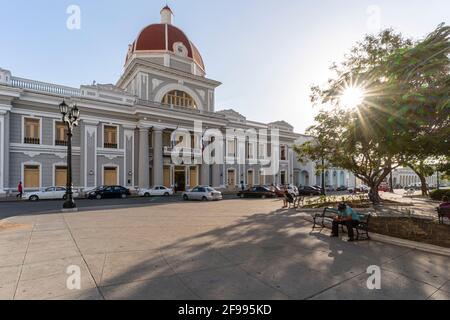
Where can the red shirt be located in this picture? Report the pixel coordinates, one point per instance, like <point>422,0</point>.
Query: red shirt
<point>445,205</point>
<point>20,187</point>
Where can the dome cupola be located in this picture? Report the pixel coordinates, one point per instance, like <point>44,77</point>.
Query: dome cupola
<point>164,37</point>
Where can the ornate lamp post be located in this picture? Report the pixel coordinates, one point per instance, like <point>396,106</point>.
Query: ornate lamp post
<point>71,117</point>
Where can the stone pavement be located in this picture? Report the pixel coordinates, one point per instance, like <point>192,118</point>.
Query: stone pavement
<point>236,249</point>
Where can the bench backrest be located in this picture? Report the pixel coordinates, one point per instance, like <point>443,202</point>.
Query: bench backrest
<point>444,210</point>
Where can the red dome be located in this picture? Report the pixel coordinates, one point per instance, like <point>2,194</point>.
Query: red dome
<point>153,38</point>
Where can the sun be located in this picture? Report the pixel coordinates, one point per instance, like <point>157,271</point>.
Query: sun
<point>352,97</point>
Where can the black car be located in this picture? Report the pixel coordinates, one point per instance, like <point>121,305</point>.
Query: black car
<point>309,191</point>
<point>257,192</point>
<point>108,192</point>
<point>343,188</point>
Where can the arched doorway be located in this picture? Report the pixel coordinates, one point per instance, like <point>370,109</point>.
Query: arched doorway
<point>304,178</point>
<point>342,180</point>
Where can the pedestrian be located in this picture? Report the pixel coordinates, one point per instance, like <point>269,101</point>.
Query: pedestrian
<point>242,186</point>
<point>20,190</point>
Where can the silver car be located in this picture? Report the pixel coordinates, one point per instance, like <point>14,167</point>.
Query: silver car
<point>203,194</point>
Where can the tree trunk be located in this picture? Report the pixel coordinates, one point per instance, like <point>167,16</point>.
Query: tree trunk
<point>423,181</point>
<point>374,195</point>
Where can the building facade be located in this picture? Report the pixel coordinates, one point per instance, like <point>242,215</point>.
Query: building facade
<point>125,133</point>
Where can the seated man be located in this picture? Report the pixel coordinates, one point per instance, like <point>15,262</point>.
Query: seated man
<point>445,203</point>
<point>347,217</point>
<point>288,198</point>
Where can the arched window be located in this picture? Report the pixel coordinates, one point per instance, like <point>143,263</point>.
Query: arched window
<point>179,98</point>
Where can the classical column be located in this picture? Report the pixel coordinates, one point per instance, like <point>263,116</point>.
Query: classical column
<point>158,163</point>
<point>204,175</point>
<point>3,152</point>
<point>144,161</point>
<point>216,175</point>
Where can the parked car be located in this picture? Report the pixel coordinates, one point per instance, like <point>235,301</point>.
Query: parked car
<point>48,194</point>
<point>384,188</point>
<point>279,192</point>
<point>309,191</point>
<point>342,188</point>
<point>203,193</point>
<point>359,189</point>
<point>257,192</point>
<point>292,190</point>
<point>157,191</point>
<point>329,188</point>
<point>108,192</point>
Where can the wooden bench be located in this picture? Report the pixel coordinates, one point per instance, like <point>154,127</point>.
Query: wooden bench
<point>443,213</point>
<point>362,229</point>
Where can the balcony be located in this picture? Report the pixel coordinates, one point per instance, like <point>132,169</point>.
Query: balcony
<point>169,151</point>
<point>110,145</point>
<point>31,140</point>
<point>62,143</point>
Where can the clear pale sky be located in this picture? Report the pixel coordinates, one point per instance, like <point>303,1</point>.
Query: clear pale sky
<point>266,53</point>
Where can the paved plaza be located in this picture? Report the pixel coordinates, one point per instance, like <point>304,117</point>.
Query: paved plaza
<point>235,249</point>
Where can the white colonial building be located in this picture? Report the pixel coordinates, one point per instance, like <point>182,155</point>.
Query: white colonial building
<point>125,132</point>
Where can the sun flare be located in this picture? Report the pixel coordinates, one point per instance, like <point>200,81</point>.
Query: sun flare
<point>352,97</point>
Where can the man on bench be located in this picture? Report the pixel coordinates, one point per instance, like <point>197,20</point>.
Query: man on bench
<point>346,217</point>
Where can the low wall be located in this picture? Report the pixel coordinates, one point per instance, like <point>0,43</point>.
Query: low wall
<point>413,229</point>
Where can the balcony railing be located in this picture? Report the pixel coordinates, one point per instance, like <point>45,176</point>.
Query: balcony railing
<point>110,145</point>
<point>62,143</point>
<point>44,87</point>
<point>31,140</point>
<point>169,151</point>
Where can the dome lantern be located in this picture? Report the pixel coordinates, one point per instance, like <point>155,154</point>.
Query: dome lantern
<point>166,15</point>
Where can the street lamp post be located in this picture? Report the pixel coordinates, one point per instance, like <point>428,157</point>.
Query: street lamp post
<point>71,117</point>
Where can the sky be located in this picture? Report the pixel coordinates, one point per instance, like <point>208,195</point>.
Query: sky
<point>267,54</point>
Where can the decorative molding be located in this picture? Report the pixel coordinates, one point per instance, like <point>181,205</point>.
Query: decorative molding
<point>156,83</point>
<point>201,93</point>
<point>31,154</point>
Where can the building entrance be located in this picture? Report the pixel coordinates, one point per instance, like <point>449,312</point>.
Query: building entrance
<point>180,179</point>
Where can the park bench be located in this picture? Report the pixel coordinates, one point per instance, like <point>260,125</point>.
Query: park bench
<point>443,213</point>
<point>362,229</point>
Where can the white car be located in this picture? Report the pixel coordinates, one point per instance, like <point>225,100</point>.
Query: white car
<point>203,193</point>
<point>51,193</point>
<point>157,191</point>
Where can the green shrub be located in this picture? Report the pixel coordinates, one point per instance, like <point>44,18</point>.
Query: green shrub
<point>439,194</point>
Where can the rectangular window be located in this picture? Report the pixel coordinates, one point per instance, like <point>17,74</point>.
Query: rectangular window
<point>110,137</point>
<point>262,151</point>
<point>32,131</point>
<point>231,149</point>
<point>61,176</point>
<point>167,139</point>
<point>60,134</point>
<point>283,153</point>
<point>31,177</point>
<point>250,151</point>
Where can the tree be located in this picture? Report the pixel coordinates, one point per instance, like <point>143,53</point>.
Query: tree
<point>361,139</point>
<point>419,86</point>
<point>404,116</point>
<point>318,150</point>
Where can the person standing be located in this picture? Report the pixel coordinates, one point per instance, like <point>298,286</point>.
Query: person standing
<point>20,190</point>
